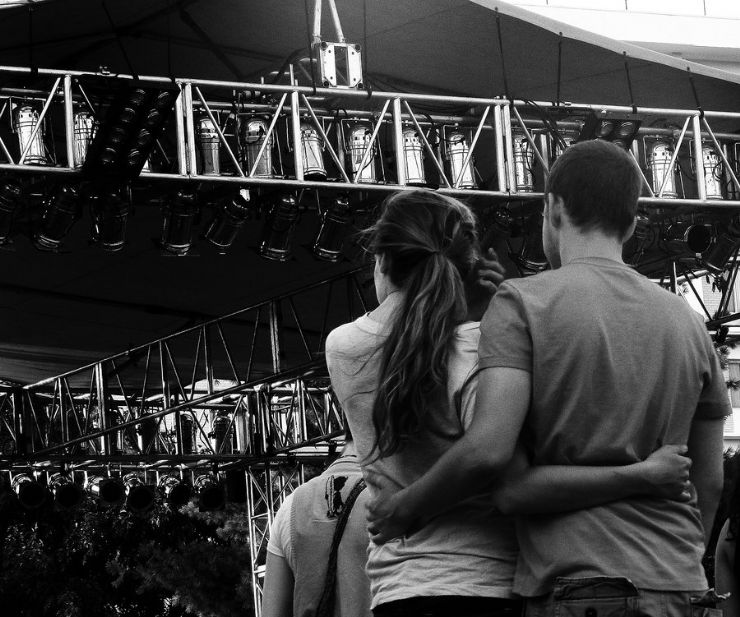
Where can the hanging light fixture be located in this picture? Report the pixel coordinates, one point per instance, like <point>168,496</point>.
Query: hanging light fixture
<point>139,496</point>
<point>360,134</point>
<point>26,120</point>
<point>726,244</point>
<point>659,152</point>
<point>209,492</point>
<point>312,153</point>
<point>413,156</point>
<point>187,432</point>
<point>228,220</point>
<point>84,131</point>
<point>531,256</point>
<point>334,220</point>
<point>523,162</point>
<point>620,130</point>
<point>108,492</point>
<point>174,490</point>
<point>67,494</point>
<point>713,170</point>
<point>10,194</point>
<point>208,147</point>
<point>689,237</point>
<point>60,214</point>
<point>222,432</point>
<point>31,494</point>
<point>456,151</point>
<point>109,214</point>
<point>177,223</point>
<point>252,134</point>
<point>277,236</point>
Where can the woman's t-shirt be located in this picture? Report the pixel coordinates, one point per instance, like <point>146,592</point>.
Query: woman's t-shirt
<point>466,551</point>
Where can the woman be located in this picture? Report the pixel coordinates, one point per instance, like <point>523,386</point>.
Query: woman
<point>405,376</point>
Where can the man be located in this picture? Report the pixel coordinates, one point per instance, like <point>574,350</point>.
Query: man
<point>589,364</point>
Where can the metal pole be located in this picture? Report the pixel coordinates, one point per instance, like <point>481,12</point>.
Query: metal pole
<point>698,158</point>
<point>69,123</point>
<point>500,161</point>
<point>190,126</point>
<point>506,119</point>
<point>182,159</point>
<point>295,121</point>
<point>398,142</point>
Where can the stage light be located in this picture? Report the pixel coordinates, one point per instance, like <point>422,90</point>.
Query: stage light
<point>311,153</point>
<point>108,492</point>
<point>531,256</point>
<point>109,214</point>
<point>208,147</point>
<point>689,237</point>
<point>174,490</point>
<point>523,162</point>
<point>61,213</point>
<point>139,496</point>
<point>413,157</point>
<point>209,492</point>
<point>10,194</point>
<point>228,220</point>
<point>360,134</point>
<point>277,237</point>
<point>129,127</point>
<point>334,219</point>
<point>620,130</point>
<point>456,151</point>
<point>67,494</point>
<point>659,153</point>
<point>187,432</point>
<point>724,248</point>
<point>221,434</point>
<point>253,133</point>
<point>177,224</point>
<point>713,170</point>
<point>84,131</point>
<point>26,120</point>
<point>31,494</point>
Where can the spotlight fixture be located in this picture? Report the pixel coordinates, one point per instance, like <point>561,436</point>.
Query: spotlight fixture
<point>252,134</point>
<point>10,194</point>
<point>360,134</point>
<point>139,496</point>
<point>413,157</point>
<point>31,494</point>
<point>209,492</point>
<point>456,151</point>
<point>724,248</point>
<point>531,256</point>
<point>132,117</point>
<point>713,170</point>
<point>108,492</point>
<point>620,130</point>
<point>311,153</point>
<point>187,432</point>
<point>60,214</point>
<point>659,153</point>
<point>277,237</point>
<point>84,131</point>
<point>109,214</point>
<point>334,219</point>
<point>221,434</point>
<point>26,120</point>
<point>177,224</point>
<point>67,494</point>
<point>208,147</point>
<point>228,220</point>
<point>523,162</point>
<point>174,490</point>
<point>684,236</point>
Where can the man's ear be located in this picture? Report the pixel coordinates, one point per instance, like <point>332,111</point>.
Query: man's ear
<point>630,230</point>
<point>554,208</point>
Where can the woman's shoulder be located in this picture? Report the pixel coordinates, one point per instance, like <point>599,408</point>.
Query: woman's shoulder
<point>352,335</point>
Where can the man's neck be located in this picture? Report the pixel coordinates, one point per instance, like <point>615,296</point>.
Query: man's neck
<point>576,244</point>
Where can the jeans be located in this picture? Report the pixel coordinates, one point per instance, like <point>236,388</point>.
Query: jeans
<point>450,606</point>
<point>603,596</point>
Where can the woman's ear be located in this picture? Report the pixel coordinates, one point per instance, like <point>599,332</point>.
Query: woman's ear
<point>383,262</point>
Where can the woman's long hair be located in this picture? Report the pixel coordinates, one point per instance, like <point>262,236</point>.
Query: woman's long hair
<point>429,246</point>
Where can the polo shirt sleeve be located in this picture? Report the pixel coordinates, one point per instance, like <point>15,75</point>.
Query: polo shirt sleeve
<point>714,401</point>
<point>505,339</point>
<point>279,542</point>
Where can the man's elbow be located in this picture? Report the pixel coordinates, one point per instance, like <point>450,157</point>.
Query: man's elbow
<point>488,464</point>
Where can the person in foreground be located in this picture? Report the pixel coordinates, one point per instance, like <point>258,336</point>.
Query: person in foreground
<point>588,364</point>
<point>405,377</point>
<point>318,543</point>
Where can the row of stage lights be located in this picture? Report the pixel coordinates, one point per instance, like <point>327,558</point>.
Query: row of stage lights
<point>121,145</point>
<point>109,212</point>
<point>130,492</point>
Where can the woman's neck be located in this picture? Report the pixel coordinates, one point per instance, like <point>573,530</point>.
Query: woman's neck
<point>388,307</point>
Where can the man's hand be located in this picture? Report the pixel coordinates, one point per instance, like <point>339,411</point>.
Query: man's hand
<point>482,283</point>
<point>666,472</point>
<point>384,516</point>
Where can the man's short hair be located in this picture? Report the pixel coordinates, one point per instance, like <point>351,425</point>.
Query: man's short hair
<point>599,184</point>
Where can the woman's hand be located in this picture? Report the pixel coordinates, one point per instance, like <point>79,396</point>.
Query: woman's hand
<point>666,473</point>
<point>482,284</point>
<point>385,518</point>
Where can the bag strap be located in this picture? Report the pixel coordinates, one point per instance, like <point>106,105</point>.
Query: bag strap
<point>325,607</point>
